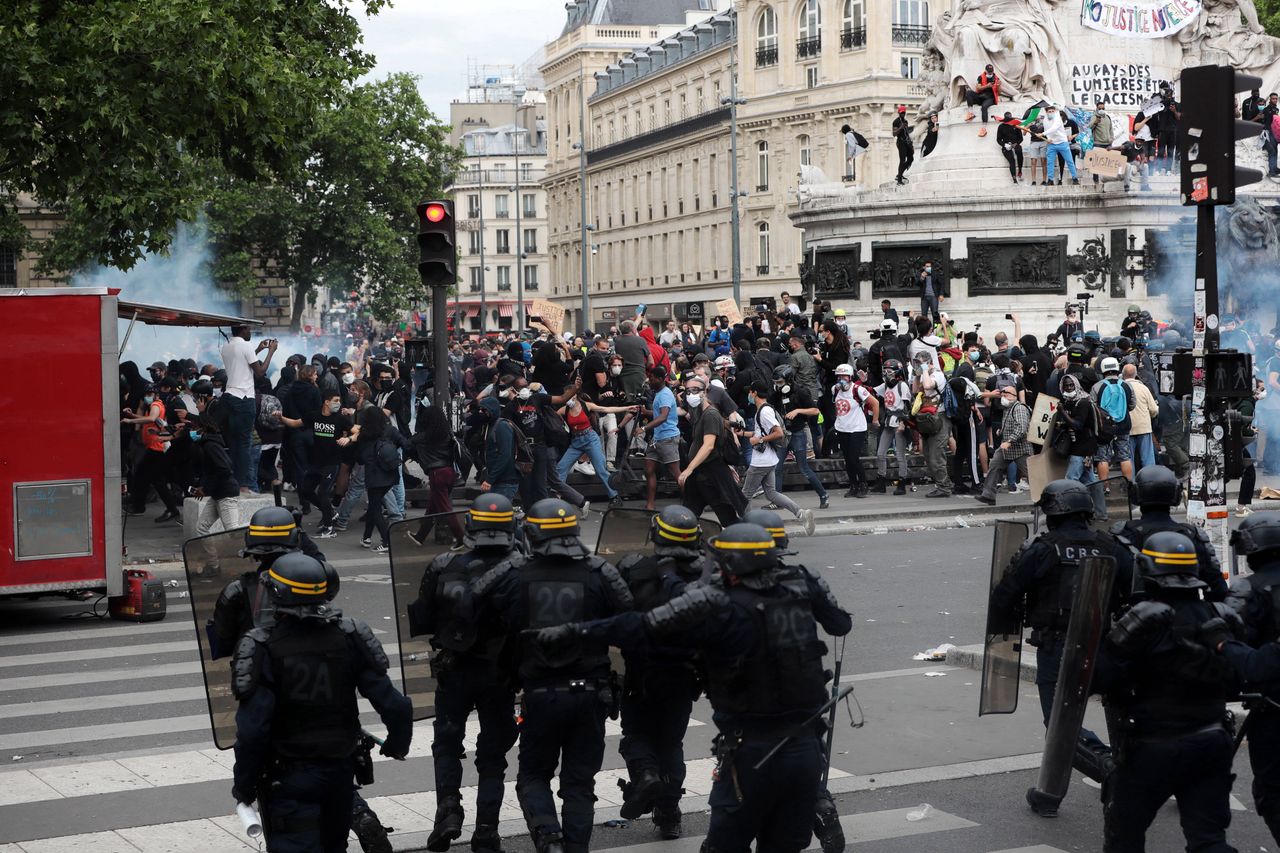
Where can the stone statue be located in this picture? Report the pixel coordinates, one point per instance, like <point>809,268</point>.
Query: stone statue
<point>1018,37</point>
<point>1228,32</point>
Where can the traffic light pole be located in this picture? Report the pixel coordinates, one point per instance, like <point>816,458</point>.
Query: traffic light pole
<point>440,347</point>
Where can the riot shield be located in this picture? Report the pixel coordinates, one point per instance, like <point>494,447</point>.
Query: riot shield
<point>1002,655</point>
<point>409,562</point>
<point>212,562</point>
<point>627,531</point>
<point>1089,623</point>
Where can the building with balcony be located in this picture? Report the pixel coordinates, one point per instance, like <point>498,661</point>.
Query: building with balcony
<point>658,147</point>
<point>499,201</point>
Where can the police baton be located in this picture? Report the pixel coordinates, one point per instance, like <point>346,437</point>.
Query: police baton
<point>831,714</point>
<point>829,705</point>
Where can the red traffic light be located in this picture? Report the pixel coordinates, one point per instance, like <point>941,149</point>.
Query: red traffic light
<point>434,212</point>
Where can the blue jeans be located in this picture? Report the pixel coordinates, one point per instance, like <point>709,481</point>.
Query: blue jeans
<point>799,445</point>
<point>1063,148</point>
<point>1080,469</point>
<point>587,441</point>
<point>241,413</point>
<point>1144,450</point>
<point>355,491</point>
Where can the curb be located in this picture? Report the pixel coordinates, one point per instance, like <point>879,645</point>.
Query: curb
<point>970,657</point>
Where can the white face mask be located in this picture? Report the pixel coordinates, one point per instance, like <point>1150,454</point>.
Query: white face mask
<point>694,400</point>
<point>524,394</point>
<point>616,370</point>
<point>348,378</point>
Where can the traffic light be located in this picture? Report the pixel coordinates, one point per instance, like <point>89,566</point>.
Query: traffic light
<point>437,241</point>
<point>1207,134</point>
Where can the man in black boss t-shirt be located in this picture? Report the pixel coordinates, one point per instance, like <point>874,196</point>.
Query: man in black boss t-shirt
<point>331,431</point>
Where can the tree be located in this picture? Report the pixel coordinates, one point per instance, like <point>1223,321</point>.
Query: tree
<point>1269,15</point>
<point>345,219</point>
<point>113,108</point>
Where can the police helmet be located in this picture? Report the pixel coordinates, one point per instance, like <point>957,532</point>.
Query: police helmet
<point>1133,310</point>
<point>491,522</point>
<point>1065,497</point>
<point>297,580</point>
<point>771,522</point>
<point>892,370</point>
<point>1257,533</point>
<point>551,526</point>
<point>272,530</point>
<point>675,526</point>
<point>1155,485</point>
<point>332,578</point>
<point>1169,560</point>
<point>1077,353</point>
<point>744,550</point>
<point>783,373</point>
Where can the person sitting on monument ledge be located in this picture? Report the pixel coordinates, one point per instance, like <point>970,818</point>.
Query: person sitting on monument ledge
<point>985,94</point>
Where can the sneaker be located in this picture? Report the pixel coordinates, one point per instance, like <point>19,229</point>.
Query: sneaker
<point>366,543</point>
<point>938,493</point>
<point>1019,176</point>
<point>382,548</point>
<point>981,498</point>
<point>806,518</point>
<point>1075,181</point>
<point>457,546</point>
<point>340,526</point>
<point>615,501</point>
<point>325,533</point>
<point>1024,486</point>
<point>413,537</point>
<point>824,502</point>
<point>758,492</point>
<point>586,508</point>
<point>901,488</point>
<point>1242,511</point>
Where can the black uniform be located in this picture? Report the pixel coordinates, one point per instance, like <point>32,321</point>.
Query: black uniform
<point>1154,520</point>
<point>662,682</point>
<point>764,669</point>
<point>566,698</point>
<point>298,726</point>
<point>244,604</point>
<point>1256,598</point>
<point>1169,693</point>
<point>1041,583</point>
<point>468,665</point>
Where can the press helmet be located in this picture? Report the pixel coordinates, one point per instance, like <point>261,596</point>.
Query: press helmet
<point>675,526</point>
<point>844,370</point>
<point>1156,485</point>
<point>491,522</point>
<point>1065,497</point>
<point>272,530</point>
<point>551,527</point>
<point>744,550</point>
<point>892,370</point>
<point>724,362</point>
<point>783,373</point>
<point>1169,560</point>
<point>1257,533</point>
<point>771,522</point>
<point>296,580</point>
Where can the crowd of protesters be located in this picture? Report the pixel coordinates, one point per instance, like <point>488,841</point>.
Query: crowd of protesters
<point>728,414</point>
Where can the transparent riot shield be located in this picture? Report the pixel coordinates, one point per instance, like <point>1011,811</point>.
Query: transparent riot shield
<point>1090,609</point>
<point>409,562</point>
<point>627,531</point>
<point>1002,655</point>
<point>212,562</point>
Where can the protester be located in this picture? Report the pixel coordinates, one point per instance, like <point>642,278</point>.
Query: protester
<point>906,148</point>
<point>1009,138</point>
<point>768,435</point>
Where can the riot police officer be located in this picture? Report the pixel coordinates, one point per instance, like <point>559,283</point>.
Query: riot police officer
<point>1156,489</point>
<point>756,629</point>
<point>298,726</point>
<point>566,696</point>
<point>1169,690</point>
<point>837,623</point>
<point>243,603</point>
<point>469,676</point>
<point>661,683</point>
<point>1256,598</point>
<point>1038,588</point>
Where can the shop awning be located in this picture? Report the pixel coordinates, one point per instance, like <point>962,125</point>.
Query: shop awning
<point>161,315</point>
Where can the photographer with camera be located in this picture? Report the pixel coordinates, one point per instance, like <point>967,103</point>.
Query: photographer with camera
<point>243,363</point>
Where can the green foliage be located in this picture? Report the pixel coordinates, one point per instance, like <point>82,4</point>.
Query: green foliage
<point>345,219</point>
<point>1269,15</point>
<point>112,112</point>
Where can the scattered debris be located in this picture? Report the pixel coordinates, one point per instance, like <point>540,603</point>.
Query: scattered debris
<point>940,653</point>
<point>919,813</point>
<point>876,531</point>
<point>17,758</point>
<point>934,674</point>
<point>960,522</point>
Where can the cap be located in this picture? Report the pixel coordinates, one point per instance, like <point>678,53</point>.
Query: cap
<point>902,109</point>
<point>159,364</point>
<point>839,312</point>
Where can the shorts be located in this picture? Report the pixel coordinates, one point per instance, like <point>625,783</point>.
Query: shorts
<point>1115,451</point>
<point>664,450</point>
<point>1037,150</point>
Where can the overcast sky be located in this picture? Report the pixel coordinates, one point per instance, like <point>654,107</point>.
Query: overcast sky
<point>435,38</point>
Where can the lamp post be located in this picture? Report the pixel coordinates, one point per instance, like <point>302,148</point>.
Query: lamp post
<point>581,146</point>
<point>484,322</point>
<point>733,102</point>
<point>517,95</point>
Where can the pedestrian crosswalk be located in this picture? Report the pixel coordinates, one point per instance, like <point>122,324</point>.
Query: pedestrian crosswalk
<point>101,722</point>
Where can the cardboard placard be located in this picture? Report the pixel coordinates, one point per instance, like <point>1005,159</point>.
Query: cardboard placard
<point>1105,163</point>
<point>1043,469</point>
<point>729,308</point>
<point>1042,418</point>
<point>549,314</point>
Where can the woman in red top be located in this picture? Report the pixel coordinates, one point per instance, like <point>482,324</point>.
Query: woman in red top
<point>584,439</point>
<point>151,470</point>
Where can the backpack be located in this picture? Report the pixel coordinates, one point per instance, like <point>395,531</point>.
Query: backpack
<point>1114,402</point>
<point>1275,126</point>
<point>779,445</point>
<point>522,447</point>
<point>1005,378</point>
<point>554,429</point>
<point>981,373</point>
<point>1106,425</point>
<point>268,407</point>
<point>950,405</point>
<point>386,455</point>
